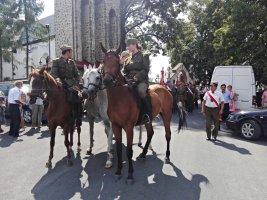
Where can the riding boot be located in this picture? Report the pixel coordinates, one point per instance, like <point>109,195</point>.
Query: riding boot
<point>148,116</point>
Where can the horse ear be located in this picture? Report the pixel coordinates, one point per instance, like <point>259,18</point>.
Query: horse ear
<point>90,67</point>
<point>103,48</point>
<point>118,51</point>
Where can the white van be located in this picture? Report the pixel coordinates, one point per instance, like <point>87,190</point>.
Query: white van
<point>243,81</point>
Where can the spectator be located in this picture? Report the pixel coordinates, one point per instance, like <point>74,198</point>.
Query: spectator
<point>212,108</point>
<point>37,112</point>
<point>14,103</point>
<point>264,98</point>
<point>2,110</point>
<point>203,91</point>
<point>23,98</point>
<point>227,100</point>
<point>233,98</point>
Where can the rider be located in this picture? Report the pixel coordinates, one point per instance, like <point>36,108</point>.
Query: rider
<point>136,69</point>
<point>67,76</point>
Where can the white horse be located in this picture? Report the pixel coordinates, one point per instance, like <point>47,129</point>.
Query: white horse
<point>96,106</point>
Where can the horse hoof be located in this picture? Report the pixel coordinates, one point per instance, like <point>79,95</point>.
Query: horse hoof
<point>167,161</point>
<point>108,165</point>
<point>150,148</point>
<point>79,149</point>
<point>70,163</point>
<point>117,177</point>
<point>140,144</point>
<point>129,181</point>
<point>48,165</point>
<point>141,157</point>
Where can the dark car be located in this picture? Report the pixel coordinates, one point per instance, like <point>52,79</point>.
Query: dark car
<point>250,124</point>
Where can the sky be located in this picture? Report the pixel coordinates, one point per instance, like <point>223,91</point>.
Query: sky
<point>156,62</point>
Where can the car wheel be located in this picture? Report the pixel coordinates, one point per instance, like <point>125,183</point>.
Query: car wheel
<point>27,115</point>
<point>250,130</point>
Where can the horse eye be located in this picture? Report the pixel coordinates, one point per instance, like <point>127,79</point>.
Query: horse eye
<point>97,77</point>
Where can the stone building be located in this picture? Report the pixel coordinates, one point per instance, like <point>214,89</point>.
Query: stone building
<point>83,24</point>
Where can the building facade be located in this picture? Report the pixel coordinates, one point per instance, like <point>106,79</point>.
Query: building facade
<point>84,24</point>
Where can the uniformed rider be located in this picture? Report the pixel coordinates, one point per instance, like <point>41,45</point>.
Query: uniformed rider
<point>136,69</point>
<point>67,76</point>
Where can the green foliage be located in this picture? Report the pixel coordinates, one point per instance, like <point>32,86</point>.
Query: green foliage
<point>153,22</point>
<point>225,32</point>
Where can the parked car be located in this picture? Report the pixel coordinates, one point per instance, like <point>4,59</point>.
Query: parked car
<point>243,81</point>
<point>250,124</point>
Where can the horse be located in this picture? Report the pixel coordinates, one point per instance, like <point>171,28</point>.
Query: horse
<point>96,105</point>
<point>58,111</point>
<point>123,111</point>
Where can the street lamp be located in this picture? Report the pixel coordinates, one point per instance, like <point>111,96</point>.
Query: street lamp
<point>14,50</point>
<point>48,30</point>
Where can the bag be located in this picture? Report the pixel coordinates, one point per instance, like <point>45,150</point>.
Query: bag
<point>217,104</point>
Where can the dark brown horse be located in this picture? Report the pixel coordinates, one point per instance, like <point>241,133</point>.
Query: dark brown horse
<point>58,112</point>
<point>123,110</point>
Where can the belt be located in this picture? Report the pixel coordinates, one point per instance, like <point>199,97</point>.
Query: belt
<point>212,107</point>
<point>13,104</point>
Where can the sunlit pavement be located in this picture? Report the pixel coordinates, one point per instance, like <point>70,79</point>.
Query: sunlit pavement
<point>229,169</point>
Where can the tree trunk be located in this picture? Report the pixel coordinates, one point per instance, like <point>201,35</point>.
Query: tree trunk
<point>122,24</point>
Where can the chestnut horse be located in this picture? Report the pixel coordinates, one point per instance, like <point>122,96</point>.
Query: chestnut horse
<point>58,111</point>
<point>123,110</point>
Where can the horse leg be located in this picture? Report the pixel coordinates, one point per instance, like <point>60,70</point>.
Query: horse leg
<point>52,144</point>
<point>129,153</point>
<point>118,136</point>
<point>91,124</point>
<point>109,133</point>
<point>71,131</point>
<point>167,125</point>
<point>150,133</point>
<point>79,139</point>
<point>67,144</point>
<point>140,136</point>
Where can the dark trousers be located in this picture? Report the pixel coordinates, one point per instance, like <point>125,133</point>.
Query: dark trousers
<point>226,111</point>
<point>212,117</point>
<point>14,119</point>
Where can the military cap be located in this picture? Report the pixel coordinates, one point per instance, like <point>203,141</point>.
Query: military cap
<point>65,48</point>
<point>214,83</point>
<point>131,41</point>
<point>125,54</point>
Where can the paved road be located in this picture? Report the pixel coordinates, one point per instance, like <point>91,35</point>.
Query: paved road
<point>231,168</point>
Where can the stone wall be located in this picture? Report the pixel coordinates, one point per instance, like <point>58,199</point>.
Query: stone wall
<point>83,24</point>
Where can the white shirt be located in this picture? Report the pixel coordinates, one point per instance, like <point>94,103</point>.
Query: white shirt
<point>39,101</point>
<point>14,95</point>
<point>218,96</point>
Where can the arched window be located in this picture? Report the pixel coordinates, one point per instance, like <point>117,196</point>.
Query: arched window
<point>112,32</point>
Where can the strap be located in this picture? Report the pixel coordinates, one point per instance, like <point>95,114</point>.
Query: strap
<point>213,99</point>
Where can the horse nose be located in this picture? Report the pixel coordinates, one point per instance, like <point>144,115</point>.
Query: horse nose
<point>84,94</point>
<point>107,80</point>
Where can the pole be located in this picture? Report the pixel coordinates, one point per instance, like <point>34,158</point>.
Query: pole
<point>12,62</point>
<point>27,38</point>
<point>49,44</point>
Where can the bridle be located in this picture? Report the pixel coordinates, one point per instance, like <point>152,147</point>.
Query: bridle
<point>114,78</point>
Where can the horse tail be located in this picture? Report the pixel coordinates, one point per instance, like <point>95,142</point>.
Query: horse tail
<point>182,113</point>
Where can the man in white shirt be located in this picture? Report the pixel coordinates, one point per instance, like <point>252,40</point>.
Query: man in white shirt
<point>212,108</point>
<point>14,101</point>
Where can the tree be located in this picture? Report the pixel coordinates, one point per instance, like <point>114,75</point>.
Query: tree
<point>31,10</point>
<point>153,22</point>
<point>10,25</point>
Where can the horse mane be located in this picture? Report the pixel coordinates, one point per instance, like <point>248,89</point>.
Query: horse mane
<point>42,73</point>
<point>49,77</point>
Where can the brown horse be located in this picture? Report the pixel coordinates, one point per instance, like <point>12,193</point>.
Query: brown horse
<point>58,112</point>
<point>123,110</point>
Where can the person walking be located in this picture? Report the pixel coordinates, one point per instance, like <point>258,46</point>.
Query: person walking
<point>212,108</point>
<point>14,101</point>
<point>2,110</point>
<point>227,99</point>
<point>37,112</point>
<point>264,98</point>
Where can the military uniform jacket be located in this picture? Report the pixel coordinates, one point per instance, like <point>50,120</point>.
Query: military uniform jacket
<point>137,66</point>
<point>65,72</point>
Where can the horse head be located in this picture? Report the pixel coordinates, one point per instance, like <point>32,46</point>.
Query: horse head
<point>92,82</point>
<point>111,65</point>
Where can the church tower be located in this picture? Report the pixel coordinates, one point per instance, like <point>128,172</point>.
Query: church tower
<point>83,24</point>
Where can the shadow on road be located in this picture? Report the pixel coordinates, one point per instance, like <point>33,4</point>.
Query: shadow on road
<point>6,140</point>
<point>150,181</point>
<point>61,182</point>
<point>232,147</point>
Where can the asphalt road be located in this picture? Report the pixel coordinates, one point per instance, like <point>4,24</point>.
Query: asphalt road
<point>230,169</point>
